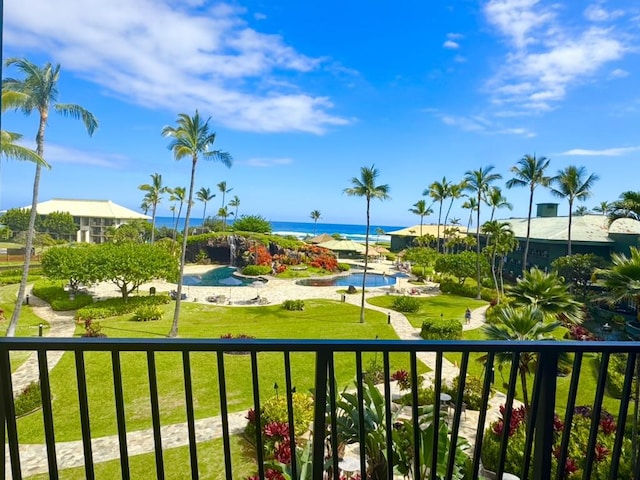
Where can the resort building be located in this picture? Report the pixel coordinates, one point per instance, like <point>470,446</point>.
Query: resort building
<point>93,217</point>
<point>405,238</point>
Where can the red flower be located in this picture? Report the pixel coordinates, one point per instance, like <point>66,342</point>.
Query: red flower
<point>251,416</point>
<point>558,425</point>
<point>608,425</point>
<point>601,452</point>
<point>283,453</point>
<point>570,466</point>
<point>276,429</point>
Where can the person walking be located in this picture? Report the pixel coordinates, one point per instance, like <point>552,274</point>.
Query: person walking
<point>467,316</point>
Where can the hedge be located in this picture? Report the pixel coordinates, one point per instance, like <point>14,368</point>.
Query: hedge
<point>441,329</point>
<point>52,292</point>
<point>449,286</point>
<point>116,306</point>
<point>406,304</point>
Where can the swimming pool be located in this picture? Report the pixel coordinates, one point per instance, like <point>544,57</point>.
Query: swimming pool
<point>218,277</point>
<point>355,279</point>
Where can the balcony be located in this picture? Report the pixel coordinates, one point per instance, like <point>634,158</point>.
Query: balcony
<point>361,429</point>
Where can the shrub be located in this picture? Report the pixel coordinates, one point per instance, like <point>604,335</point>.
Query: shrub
<point>117,306</point>
<point>293,304</point>
<point>441,329</point>
<point>28,400</point>
<point>255,270</point>
<point>252,223</point>
<point>615,374</point>
<point>406,304</point>
<point>147,312</point>
<point>472,394</point>
<point>344,267</point>
<point>426,396</point>
<point>93,329</point>
<point>374,372</point>
<point>54,294</point>
<point>464,290</point>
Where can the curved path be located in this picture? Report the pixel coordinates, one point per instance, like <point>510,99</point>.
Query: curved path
<point>70,454</point>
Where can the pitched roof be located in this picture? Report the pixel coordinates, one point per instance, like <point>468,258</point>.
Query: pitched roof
<point>89,208</point>
<point>427,229</point>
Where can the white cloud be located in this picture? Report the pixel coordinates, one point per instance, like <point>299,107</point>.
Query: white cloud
<point>459,59</point>
<point>480,124</point>
<point>455,36</point>
<point>597,13</point>
<point>619,73</point>
<point>450,44</point>
<point>161,54</point>
<point>56,154</point>
<point>267,162</point>
<point>545,57</point>
<point>607,152</point>
<point>259,16</point>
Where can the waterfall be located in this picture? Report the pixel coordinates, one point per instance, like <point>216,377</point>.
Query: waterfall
<point>231,240</point>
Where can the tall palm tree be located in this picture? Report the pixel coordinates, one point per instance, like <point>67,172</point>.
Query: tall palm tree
<point>420,208</point>
<point>627,206</point>
<point>366,187</point>
<point>495,200</point>
<point>529,172</point>
<point>478,182</point>
<point>191,138</point>
<point>204,195</point>
<point>549,293</point>
<point>496,231</point>
<point>472,204</point>
<point>178,194</point>
<point>235,203</point>
<point>439,192</point>
<point>222,187</point>
<point>622,282</point>
<point>223,213</point>
<point>521,324</point>
<point>456,191</point>
<point>573,184</point>
<point>315,216</point>
<point>154,190</point>
<point>603,208</point>
<point>38,91</point>
<point>581,211</point>
<point>11,149</point>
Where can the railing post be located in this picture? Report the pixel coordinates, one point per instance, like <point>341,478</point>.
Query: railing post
<point>543,434</point>
<point>319,417</point>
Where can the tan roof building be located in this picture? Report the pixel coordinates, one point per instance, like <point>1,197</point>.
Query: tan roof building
<point>93,217</point>
<point>404,237</point>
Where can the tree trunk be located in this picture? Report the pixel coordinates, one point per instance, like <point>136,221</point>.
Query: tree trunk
<point>478,295</point>
<point>366,263</point>
<point>439,219</point>
<point>493,270</point>
<point>526,244</point>
<point>153,222</point>
<point>176,312</point>
<point>11,330</point>
<point>525,394</point>
<point>569,229</point>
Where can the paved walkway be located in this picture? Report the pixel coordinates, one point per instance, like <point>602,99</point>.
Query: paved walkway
<point>70,454</point>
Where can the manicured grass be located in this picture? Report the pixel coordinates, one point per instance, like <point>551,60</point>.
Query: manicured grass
<point>324,319</point>
<point>449,306</point>
<point>176,464</point>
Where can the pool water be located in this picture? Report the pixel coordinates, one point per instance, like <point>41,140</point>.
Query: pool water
<point>218,277</point>
<point>355,279</point>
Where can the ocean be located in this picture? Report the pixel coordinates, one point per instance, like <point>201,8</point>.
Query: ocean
<point>303,229</point>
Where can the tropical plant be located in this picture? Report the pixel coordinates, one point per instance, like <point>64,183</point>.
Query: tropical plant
<point>154,190</point>
<point>252,223</point>
<point>472,204</point>
<point>496,232</point>
<point>366,187</point>
<point>178,194</point>
<point>204,195</point>
<point>496,200</point>
<point>603,208</point>
<point>627,206</point>
<point>578,269</point>
<point>549,293</point>
<point>315,216</point>
<point>521,324</point>
<point>235,203</point>
<point>478,182</point>
<point>439,192</point>
<point>573,184</point>
<point>222,188</point>
<point>420,208</point>
<point>529,172</point>
<point>581,211</point>
<point>191,138</point>
<point>455,192</point>
<point>37,91</point>
<point>224,213</point>
<point>11,149</point>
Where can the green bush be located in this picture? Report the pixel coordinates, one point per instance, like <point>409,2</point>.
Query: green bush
<point>147,313</point>
<point>441,329</point>
<point>54,294</point>
<point>28,400</point>
<point>254,270</point>
<point>344,267</point>
<point>406,304</point>
<point>275,410</point>
<point>615,374</point>
<point>426,396</point>
<point>472,394</point>
<point>449,286</point>
<point>293,304</point>
<point>116,306</point>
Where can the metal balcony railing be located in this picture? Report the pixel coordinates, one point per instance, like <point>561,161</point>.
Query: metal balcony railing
<point>538,452</point>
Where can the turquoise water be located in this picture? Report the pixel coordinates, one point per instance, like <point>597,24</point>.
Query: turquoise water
<point>218,277</point>
<point>355,279</point>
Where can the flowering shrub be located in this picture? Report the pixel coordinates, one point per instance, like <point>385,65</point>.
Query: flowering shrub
<point>261,255</point>
<point>578,332</point>
<point>403,379</point>
<point>577,449</point>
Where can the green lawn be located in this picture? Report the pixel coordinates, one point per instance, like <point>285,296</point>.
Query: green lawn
<point>321,319</point>
<point>449,306</point>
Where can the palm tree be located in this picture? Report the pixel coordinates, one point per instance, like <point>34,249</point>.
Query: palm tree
<point>549,293</point>
<point>438,191</point>
<point>191,138</point>
<point>622,282</point>
<point>455,192</point>
<point>379,231</point>
<point>38,91</point>
<point>222,187</point>
<point>154,190</point>
<point>478,182</point>
<point>315,216</point>
<point>627,206</point>
<point>365,186</point>
<point>573,184</point>
<point>603,208</point>
<point>495,200</point>
<point>178,194</point>
<point>204,195</point>
<point>145,206</point>
<point>529,172</point>
<point>581,211</point>
<point>420,208</point>
<point>496,231</point>
<point>472,204</point>
<point>235,203</point>
<point>223,213</point>
<point>11,149</point>
<point>521,324</point>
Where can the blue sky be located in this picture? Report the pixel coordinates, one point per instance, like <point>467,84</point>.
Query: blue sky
<point>303,94</point>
